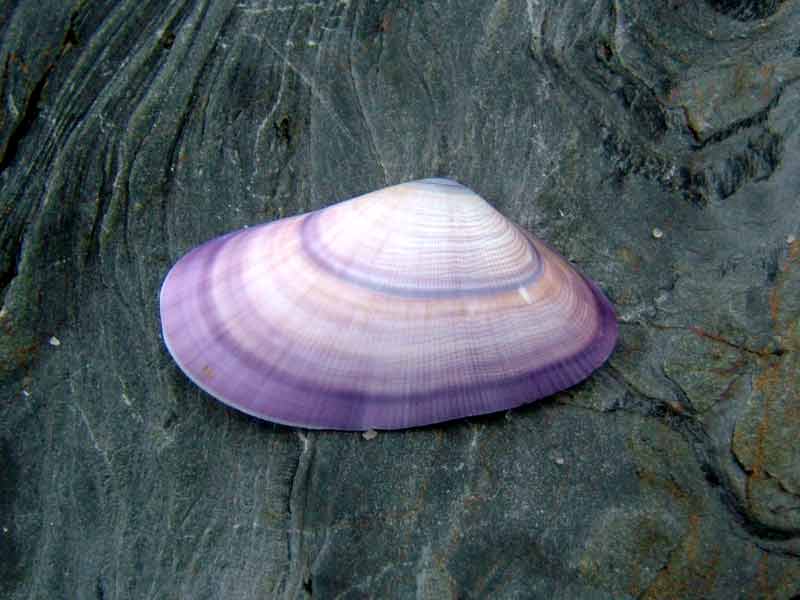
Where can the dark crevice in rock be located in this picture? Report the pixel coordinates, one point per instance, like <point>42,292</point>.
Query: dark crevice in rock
<point>758,118</point>
<point>92,243</point>
<point>25,124</point>
<point>746,10</point>
<point>741,466</point>
<point>777,549</point>
<point>171,420</point>
<point>33,101</point>
<point>632,160</point>
<point>685,404</point>
<point>71,37</point>
<point>721,164</point>
<point>308,585</point>
<point>762,531</point>
<point>782,486</point>
<point>99,589</point>
<point>709,461</point>
<point>629,400</point>
<point>641,102</point>
<point>636,401</point>
<point>693,431</point>
<point>737,507</point>
<point>297,508</point>
<point>721,177</point>
<point>762,352</point>
<point>702,446</point>
<point>713,169</point>
<point>10,558</point>
<point>712,477</point>
<point>283,130</point>
<point>9,268</point>
<point>167,39</point>
<point>771,265</point>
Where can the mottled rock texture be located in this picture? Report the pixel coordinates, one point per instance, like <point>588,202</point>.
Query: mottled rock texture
<point>130,131</point>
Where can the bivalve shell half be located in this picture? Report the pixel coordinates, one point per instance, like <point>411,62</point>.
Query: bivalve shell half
<point>411,305</point>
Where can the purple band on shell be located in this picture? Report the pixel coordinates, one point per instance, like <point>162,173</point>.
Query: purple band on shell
<point>336,408</point>
<point>466,287</point>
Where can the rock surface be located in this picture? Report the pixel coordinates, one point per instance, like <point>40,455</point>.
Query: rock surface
<point>132,131</point>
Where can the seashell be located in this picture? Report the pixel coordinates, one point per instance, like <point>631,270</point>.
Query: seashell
<point>411,305</point>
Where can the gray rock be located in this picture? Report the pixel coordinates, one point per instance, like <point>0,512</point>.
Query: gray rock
<point>132,131</point>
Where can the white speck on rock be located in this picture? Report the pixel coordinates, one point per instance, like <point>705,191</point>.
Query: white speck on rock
<point>369,434</point>
<point>54,341</point>
<point>790,239</point>
<point>657,233</point>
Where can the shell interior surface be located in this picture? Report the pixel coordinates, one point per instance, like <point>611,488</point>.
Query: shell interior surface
<point>411,305</point>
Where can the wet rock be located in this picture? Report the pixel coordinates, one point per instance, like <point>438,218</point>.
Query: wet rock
<point>131,132</point>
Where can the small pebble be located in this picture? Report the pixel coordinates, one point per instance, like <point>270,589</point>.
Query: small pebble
<point>790,239</point>
<point>54,341</point>
<point>559,461</point>
<point>26,393</point>
<point>369,434</point>
<point>657,233</point>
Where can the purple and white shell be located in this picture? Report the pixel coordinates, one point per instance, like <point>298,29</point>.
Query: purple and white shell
<point>411,305</point>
